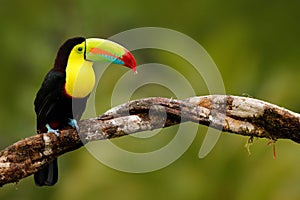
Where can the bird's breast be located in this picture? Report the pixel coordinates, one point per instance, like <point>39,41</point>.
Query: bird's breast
<point>80,79</point>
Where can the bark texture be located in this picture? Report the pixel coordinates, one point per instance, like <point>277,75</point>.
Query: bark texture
<point>234,114</point>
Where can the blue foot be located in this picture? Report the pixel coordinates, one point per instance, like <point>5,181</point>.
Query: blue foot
<point>73,123</point>
<point>50,130</point>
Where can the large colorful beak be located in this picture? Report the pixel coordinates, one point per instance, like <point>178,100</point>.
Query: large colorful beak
<point>104,50</point>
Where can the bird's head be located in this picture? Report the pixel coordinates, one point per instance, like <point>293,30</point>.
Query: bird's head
<point>76,56</point>
<point>94,50</point>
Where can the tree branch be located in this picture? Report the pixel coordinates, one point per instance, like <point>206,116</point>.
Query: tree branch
<point>240,115</point>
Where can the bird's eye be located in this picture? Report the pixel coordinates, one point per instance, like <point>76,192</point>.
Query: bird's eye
<point>79,49</point>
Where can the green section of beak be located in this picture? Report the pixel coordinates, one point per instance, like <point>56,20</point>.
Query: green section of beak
<point>100,49</point>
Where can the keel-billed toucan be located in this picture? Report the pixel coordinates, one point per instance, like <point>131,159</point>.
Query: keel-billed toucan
<point>62,97</point>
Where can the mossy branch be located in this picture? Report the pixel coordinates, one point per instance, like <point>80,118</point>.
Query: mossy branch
<point>239,115</point>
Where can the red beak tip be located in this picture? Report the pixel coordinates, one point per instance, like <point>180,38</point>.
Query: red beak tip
<point>129,61</point>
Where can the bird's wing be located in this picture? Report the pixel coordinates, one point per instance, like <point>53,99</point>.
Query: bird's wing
<point>48,96</point>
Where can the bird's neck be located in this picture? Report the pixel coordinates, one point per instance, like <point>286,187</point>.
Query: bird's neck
<point>80,77</point>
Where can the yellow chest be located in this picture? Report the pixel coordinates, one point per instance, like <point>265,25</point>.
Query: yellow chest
<point>80,78</point>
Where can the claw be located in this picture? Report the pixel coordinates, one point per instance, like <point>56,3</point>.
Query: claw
<point>50,130</point>
<point>73,123</point>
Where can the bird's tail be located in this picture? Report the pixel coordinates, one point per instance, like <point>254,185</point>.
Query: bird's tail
<point>48,175</point>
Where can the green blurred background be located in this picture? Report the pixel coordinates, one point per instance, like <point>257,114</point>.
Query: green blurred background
<point>255,45</point>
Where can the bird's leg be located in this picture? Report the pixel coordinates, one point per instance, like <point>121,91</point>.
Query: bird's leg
<point>74,124</point>
<point>50,130</point>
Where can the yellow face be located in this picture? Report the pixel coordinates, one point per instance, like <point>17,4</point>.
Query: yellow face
<point>80,76</point>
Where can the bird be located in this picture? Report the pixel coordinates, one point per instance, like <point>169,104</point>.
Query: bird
<point>62,97</point>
